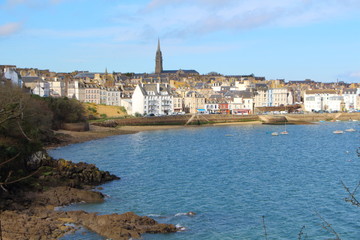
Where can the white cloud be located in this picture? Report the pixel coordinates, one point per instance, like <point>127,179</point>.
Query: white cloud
<point>355,74</point>
<point>189,17</point>
<point>10,28</point>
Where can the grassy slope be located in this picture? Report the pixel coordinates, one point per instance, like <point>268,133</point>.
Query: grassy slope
<point>98,110</point>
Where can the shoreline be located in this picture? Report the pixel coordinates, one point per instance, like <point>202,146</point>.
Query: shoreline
<point>67,137</point>
<point>124,127</point>
<point>60,183</point>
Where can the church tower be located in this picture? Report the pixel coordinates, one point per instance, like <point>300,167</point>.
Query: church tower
<point>158,60</point>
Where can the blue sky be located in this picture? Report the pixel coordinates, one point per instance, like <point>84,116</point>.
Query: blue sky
<point>290,39</point>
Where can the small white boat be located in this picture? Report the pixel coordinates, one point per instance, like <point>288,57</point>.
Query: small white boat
<point>350,130</point>
<point>338,132</point>
<point>284,132</point>
<point>274,134</point>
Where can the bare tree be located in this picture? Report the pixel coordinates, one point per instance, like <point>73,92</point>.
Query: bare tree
<point>351,198</point>
<point>23,120</point>
<point>327,226</point>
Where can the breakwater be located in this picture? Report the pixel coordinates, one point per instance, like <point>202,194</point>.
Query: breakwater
<point>199,119</point>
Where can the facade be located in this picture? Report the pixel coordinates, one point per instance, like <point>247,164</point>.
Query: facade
<point>73,90</point>
<point>261,95</point>
<point>57,88</point>
<point>177,103</point>
<point>322,100</point>
<point>224,107</point>
<point>127,104</point>
<point>91,93</point>
<point>350,98</point>
<point>113,96</point>
<point>42,89</point>
<point>193,101</point>
<point>279,97</point>
<point>154,99</point>
<point>240,102</point>
<point>11,74</point>
<point>212,107</point>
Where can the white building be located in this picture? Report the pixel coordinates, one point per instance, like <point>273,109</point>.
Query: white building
<point>152,99</point>
<point>279,97</point>
<point>261,95</point>
<point>350,98</point>
<point>110,96</point>
<point>322,100</point>
<point>127,104</point>
<point>10,73</point>
<point>212,107</point>
<point>240,102</point>
<point>243,85</point>
<point>57,88</point>
<point>73,90</point>
<point>41,89</point>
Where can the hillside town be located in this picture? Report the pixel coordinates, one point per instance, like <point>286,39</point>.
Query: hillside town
<point>171,92</point>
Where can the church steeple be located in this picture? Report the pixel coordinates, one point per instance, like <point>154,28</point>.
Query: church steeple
<point>158,60</point>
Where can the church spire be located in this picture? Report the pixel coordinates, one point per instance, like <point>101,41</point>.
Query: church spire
<point>158,49</point>
<point>158,60</point>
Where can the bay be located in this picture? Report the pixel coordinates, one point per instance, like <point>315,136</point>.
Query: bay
<point>230,176</point>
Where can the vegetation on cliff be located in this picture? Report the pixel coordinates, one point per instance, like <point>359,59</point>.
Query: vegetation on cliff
<point>26,124</point>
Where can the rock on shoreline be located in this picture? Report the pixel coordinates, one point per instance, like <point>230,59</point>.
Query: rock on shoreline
<point>30,214</point>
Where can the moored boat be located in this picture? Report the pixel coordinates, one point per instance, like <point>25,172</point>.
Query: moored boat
<point>350,130</point>
<point>338,132</point>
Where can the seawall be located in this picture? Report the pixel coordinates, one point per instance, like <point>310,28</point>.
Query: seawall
<point>219,118</point>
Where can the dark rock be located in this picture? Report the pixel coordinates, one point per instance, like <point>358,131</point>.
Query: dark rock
<point>123,226</point>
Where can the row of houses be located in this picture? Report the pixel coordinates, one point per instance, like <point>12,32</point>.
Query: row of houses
<point>329,100</point>
<point>161,99</point>
<point>220,94</point>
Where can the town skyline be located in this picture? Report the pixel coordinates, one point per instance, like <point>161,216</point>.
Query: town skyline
<point>278,40</point>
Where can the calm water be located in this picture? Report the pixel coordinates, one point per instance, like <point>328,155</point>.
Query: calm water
<point>231,176</point>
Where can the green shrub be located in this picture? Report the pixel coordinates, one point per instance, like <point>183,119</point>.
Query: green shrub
<point>91,109</point>
<point>65,110</point>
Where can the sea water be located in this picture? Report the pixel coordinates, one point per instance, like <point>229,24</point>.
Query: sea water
<point>230,176</point>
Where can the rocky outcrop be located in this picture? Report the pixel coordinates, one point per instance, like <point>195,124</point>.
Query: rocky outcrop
<point>21,226</point>
<point>120,226</point>
<point>66,173</point>
<point>60,196</point>
<point>42,223</point>
<point>31,215</point>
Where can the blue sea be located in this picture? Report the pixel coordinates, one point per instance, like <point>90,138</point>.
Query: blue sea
<point>230,176</point>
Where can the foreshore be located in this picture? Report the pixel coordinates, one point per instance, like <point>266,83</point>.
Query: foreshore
<point>97,132</point>
<point>29,211</point>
